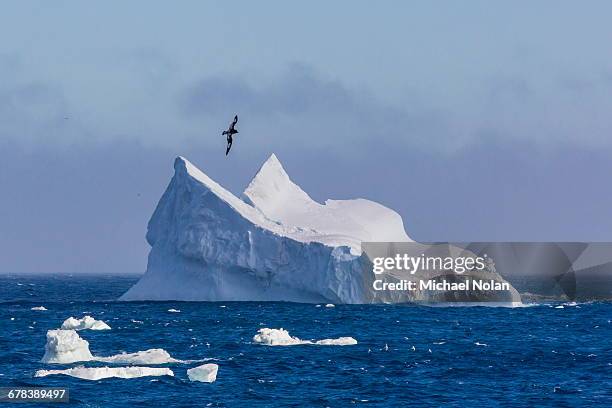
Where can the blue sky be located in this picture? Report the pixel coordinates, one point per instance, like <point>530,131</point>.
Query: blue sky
<point>475,120</point>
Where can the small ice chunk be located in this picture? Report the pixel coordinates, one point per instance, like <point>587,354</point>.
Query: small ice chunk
<point>277,337</point>
<point>87,322</point>
<point>98,373</point>
<point>41,308</point>
<point>330,305</point>
<point>204,373</point>
<point>281,337</point>
<point>151,356</point>
<point>65,346</point>
<point>174,311</point>
<point>340,341</point>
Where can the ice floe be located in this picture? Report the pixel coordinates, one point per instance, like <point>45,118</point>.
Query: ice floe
<point>277,337</point>
<point>340,341</point>
<point>330,305</point>
<point>86,322</point>
<point>281,337</point>
<point>151,356</point>
<point>174,311</point>
<point>98,373</point>
<point>40,308</point>
<point>204,373</point>
<point>66,346</point>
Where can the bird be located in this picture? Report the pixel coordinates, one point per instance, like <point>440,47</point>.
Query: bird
<point>229,132</point>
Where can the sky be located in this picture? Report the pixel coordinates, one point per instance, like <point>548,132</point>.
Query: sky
<point>476,121</point>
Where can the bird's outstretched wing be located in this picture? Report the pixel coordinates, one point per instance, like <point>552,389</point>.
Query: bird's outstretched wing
<point>235,120</point>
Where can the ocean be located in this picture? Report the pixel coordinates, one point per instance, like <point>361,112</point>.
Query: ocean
<point>551,355</point>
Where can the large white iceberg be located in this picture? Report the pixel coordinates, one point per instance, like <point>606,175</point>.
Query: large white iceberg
<point>276,244</point>
<point>98,373</point>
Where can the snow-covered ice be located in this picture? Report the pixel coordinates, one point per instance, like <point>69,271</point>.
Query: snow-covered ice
<point>174,311</point>
<point>98,373</point>
<point>274,244</point>
<point>151,356</point>
<point>86,322</point>
<point>277,337</point>
<point>281,337</point>
<point>39,308</point>
<point>66,346</point>
<point>330,305</point>
<point>204,373</point>
<point>340,341</point>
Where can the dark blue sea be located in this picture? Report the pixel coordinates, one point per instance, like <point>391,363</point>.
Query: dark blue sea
<point>542,355</point>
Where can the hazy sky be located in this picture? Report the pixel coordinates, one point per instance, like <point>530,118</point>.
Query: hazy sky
<point>474,120</point>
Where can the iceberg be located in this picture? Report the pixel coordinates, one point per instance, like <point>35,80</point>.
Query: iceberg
<point>65,346</point>
<point>39,308</point>
<point>274,244</point>
<point>87,322</point>
<point>204,373</point>
<point>99,373</point>
<point>281,337</point>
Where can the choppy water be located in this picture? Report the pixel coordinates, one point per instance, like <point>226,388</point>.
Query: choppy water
<point>533,356</point>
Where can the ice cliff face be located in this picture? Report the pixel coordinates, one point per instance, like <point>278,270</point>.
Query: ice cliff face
<point>276,244</point>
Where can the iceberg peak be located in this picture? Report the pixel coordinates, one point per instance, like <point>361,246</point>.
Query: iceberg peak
<point>271,189</point>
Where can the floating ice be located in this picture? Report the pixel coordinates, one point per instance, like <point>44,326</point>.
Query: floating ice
<point>274,244</point>
<point>204,373</point>
<point>340,341</point>
<point>281,337</point>
<point>87,322</point>
<point>151,356</point>
<point>41,308</point>
<point>330,305</point>
<point>98,373</point>
<point>65,346</point>
<point>277,337</point>
<point>174,311</point>
<point>205,239</point>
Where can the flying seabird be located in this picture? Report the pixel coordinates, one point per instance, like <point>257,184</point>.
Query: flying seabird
<point>229,132</point>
